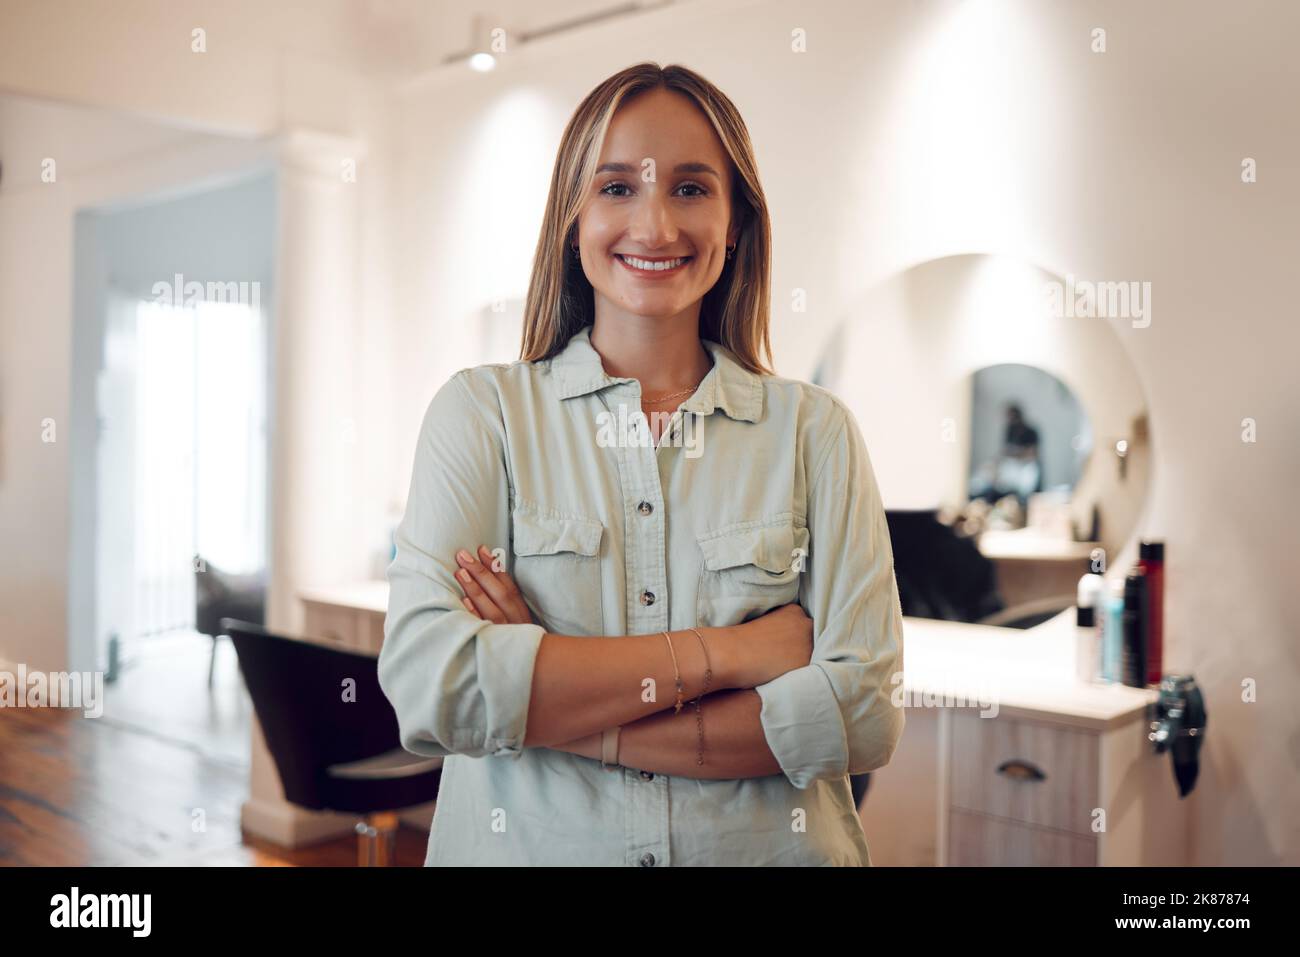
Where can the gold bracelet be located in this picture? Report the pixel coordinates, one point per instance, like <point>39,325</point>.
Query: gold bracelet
<point>677,673</point>
<point>699,714</point>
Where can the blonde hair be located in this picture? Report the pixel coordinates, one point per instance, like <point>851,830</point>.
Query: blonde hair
<point>560,301</point>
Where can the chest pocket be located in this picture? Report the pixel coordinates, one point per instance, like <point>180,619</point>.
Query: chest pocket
<point>557,567</point>
<point>750,568</point>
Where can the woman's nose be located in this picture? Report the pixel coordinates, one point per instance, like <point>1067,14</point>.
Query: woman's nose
<point>653,222</point>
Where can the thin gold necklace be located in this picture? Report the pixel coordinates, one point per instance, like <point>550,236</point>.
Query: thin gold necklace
<point>671,395</point>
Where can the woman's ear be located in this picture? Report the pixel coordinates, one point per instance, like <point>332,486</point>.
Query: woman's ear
<point>736,226</point>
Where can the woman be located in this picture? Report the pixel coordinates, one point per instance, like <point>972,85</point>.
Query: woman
<point>597,609</point>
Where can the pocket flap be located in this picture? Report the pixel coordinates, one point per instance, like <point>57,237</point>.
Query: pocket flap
<point>770,547</point>
<point>536,533</point>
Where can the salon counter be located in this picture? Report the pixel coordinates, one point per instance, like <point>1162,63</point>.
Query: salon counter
<point>1008,759</point>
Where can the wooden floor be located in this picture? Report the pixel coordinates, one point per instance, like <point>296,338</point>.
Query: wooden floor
<point>157,780</point>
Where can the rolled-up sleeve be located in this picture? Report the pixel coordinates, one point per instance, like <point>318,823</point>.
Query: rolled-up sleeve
<point>836,715</point>
<point>459,684</point>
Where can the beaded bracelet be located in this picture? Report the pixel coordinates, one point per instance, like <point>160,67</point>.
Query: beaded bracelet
<point>708,677</point>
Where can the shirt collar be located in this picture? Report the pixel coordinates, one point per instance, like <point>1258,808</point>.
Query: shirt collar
<point>728,385</point>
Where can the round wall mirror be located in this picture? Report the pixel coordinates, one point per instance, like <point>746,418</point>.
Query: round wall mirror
<point>1011,444</point>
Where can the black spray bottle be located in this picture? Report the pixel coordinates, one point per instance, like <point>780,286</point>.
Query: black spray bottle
<point>1135,621</point>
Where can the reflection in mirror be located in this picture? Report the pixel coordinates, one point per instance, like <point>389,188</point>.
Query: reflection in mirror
<point>1029,435</point>
<point>993,515</point>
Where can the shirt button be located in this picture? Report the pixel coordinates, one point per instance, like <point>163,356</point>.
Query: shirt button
<point>645,508</point>
<point>647,860</point>
<point>647,598</point>
<point>648,775</point>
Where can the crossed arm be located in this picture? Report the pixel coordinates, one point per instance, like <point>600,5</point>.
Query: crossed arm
<point>666,742</point>
<point>669,742</point>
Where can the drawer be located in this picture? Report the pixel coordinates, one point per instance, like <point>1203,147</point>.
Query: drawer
<point>370,630</point>
<point>333,622</point>
<point>356,628</point>
<point>1025,772</point>
<point>975,840</point>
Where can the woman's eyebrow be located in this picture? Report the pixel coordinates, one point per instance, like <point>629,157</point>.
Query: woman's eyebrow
<point>679,168</point>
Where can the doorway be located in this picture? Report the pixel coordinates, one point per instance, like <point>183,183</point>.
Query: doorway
<point>182,299</point>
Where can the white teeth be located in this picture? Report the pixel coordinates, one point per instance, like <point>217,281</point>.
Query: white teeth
<point>655,266</point>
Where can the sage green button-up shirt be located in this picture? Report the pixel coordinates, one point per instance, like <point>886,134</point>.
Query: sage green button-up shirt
<point>759,494</point>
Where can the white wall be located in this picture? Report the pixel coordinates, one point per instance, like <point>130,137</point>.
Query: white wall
<point>911,131</point>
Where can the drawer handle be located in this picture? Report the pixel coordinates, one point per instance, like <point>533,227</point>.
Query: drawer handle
<point>1021,771</point>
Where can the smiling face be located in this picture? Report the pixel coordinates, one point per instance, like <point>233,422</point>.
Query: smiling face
<point>653,236</point>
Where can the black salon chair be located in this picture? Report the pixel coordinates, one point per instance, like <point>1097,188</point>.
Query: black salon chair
<point>332,733</point>
<point>859,783</point>
<point>940,573</point>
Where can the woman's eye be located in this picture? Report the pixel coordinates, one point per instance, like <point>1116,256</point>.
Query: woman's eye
<point>608,188</point>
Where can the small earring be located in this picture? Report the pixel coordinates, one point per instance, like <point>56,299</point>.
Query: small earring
<point>731,251</point>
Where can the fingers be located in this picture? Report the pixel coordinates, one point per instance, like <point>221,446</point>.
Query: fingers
<point>507,594</point>
<point>479,601</point>
<point>491,593</point>
<point>481,570</point>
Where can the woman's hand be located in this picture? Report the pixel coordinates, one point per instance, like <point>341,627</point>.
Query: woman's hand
<point>772,644</point>
<point>490,594</point>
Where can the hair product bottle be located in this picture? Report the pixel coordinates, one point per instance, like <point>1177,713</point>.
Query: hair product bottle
<point>1135,618</point>
<point>1151,559</point>
<point>1112,636</point>
<point>1088,623</point>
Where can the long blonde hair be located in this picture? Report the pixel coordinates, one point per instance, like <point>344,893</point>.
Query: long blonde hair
<point>560,301</point>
